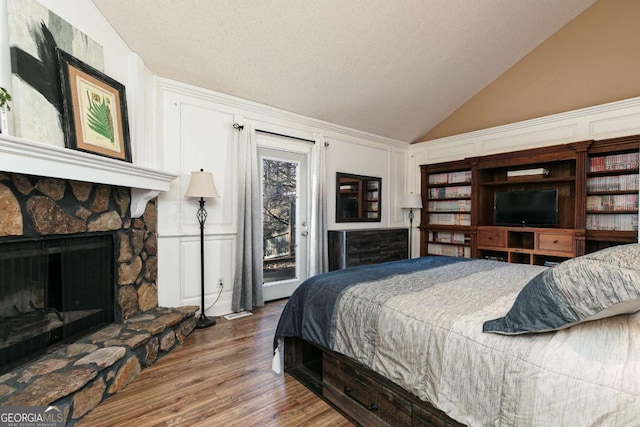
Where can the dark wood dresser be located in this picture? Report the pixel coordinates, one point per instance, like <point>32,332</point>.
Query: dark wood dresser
<point>351,248</point>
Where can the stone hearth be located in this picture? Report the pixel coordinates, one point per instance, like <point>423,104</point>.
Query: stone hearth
<point>78,376</point>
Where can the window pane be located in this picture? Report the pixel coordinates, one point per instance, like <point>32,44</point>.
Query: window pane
<point>279,189</point>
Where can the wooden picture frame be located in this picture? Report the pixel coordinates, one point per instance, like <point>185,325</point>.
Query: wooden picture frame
<point>94,110</point>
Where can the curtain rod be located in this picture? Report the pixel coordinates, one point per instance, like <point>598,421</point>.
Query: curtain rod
<point>285,136</point>
<point>241,127</point>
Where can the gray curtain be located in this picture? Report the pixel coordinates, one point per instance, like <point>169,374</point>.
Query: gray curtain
<point>318,253</point>
<point>247,286</point>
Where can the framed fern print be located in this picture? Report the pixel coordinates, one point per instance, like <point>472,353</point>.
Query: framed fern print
<point>94,110</point>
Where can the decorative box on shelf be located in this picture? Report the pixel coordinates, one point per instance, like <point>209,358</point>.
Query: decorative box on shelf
<point>527,174</point>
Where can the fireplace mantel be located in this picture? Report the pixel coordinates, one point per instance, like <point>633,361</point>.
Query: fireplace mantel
<point>28,157</point>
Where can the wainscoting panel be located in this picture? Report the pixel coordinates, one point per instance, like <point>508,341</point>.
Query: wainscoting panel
<point>179,272</point>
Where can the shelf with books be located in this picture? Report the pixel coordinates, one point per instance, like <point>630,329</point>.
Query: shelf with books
<point>446,220</point>
<point>448,196</point>
<point>618,163</point>
<point>453,177</point>
<point>449,205</point>
<point>449,243</point>
<point>612,185</point>
<point>449,218</point>
<point>612,203</point>
<point>612,222</point>
<point>449,250</point>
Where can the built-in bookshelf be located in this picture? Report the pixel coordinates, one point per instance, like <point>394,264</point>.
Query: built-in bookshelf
<point>447,219</point>
<point>449,200</point>
<point>596,184</point>
<point>612,192</point>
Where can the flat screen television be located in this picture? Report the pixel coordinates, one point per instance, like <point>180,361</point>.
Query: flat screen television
<point>531,208</point>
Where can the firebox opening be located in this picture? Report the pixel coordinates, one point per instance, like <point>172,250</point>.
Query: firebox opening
<point>53,290</point>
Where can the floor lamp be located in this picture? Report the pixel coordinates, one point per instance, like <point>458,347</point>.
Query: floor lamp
<point>201,186</point>
<point>411,202</point>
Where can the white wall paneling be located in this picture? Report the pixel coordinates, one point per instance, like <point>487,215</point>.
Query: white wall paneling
<point>349,157</point>
<point>194,130</point>
<point>218,252</point>
<point>140,100</point>
<point>207,142</point>
<point>399,186</point>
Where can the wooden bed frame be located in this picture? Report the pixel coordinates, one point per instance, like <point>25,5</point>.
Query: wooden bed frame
<point>363,396</point>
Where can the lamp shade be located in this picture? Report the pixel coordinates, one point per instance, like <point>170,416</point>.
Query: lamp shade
<point>201,185</point>
<point>411,201</point>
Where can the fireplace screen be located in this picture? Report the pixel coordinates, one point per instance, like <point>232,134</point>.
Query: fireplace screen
<point>53,290</point>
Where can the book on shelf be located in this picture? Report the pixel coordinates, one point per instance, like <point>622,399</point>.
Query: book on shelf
<point>463,205</point>
<point>612,202</point>
<point>614,162</point>
<point>613,183</point>
<point>448,237</point>
<point>450,177</point>
<point>612,222</point>
<point>348,187</point>
<point>551,263</point>
<point>448,250</point>
<point>450,219</point>
<point>450,192</point>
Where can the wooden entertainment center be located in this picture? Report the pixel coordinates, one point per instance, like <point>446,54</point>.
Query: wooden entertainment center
<point>596,183</point>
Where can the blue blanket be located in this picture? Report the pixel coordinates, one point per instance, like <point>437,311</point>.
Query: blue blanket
<point>311,310</point>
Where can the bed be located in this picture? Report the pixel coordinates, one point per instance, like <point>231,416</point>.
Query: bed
<point>453,341</point>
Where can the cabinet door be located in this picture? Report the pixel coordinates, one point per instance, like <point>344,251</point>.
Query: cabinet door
<point>555,242</point>
<point>491,237</point>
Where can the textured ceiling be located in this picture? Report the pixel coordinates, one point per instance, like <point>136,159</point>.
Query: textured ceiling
<point>392,68</point>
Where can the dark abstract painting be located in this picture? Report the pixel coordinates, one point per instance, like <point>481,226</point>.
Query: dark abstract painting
<point>34,34</point>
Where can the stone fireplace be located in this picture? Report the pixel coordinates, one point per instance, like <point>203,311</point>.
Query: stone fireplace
<point>37,209</point>
<point>78,277</point>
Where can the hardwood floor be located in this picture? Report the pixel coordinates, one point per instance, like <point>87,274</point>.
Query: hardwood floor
<point>220,376</point>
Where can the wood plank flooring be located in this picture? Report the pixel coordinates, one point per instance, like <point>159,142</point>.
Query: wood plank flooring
<point>220,376</point>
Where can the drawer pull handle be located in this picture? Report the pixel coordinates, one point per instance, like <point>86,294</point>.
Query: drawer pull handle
<point>555,241</point>
<point>371,407</point>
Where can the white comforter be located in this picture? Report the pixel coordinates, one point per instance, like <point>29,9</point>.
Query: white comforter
<point>431,343</point>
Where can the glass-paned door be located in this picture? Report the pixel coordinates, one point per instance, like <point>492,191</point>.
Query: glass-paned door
<point>284,210</point>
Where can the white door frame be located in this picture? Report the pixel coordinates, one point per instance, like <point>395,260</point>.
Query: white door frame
<point>281,148</point>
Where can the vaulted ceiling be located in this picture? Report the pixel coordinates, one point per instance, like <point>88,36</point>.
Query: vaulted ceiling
<point>392,68</point>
